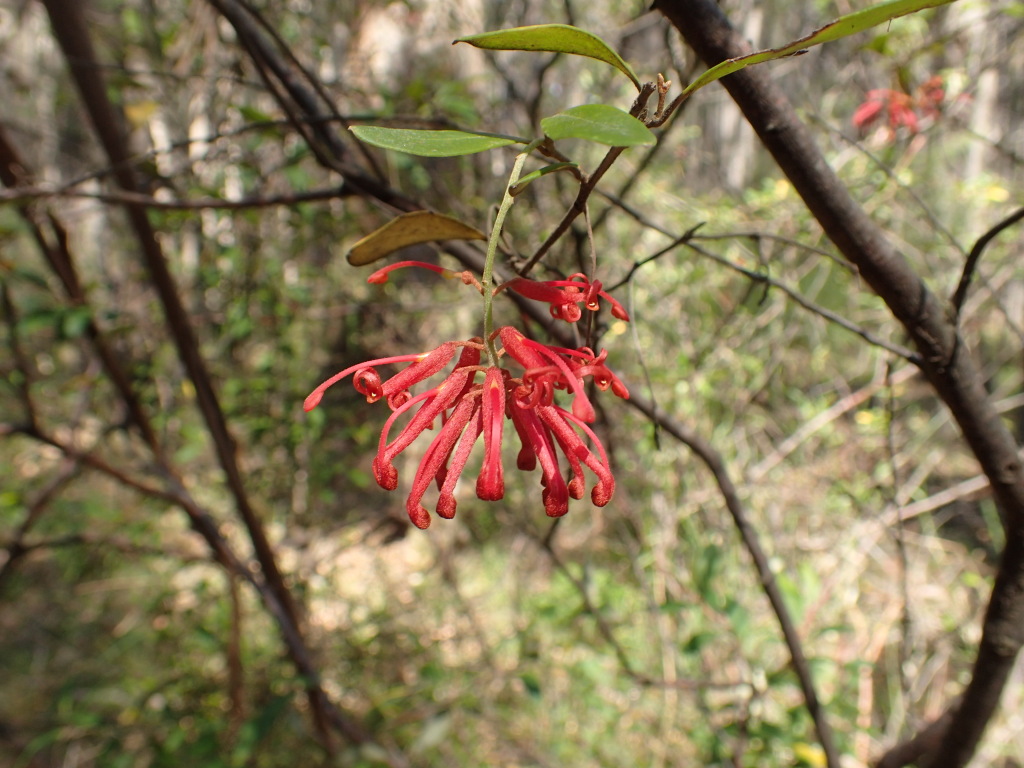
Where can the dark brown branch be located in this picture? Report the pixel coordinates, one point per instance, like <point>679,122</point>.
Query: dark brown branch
<point>944,358</point>
<point>206,526</point>
<point>587,187</point>
<point>308,100</point>
<point>51,237</point>
<point>925,742</point>
<point>278,72</point>
<point>69,26</point>
<point>810,306</point>
<point>971,263</point>
<point>23,194</point>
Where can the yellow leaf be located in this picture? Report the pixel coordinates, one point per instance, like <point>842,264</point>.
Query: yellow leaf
<point>811,754</point>
<point>138,114</point>
<point>996,194</point>
<point>410,229</point>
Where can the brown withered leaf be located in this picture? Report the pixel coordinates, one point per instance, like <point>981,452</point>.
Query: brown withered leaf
<point>410,229</point>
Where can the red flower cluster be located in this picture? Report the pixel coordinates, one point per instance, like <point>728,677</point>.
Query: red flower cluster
<point>565,296</point>
<point>475,400</point>
<point>899,108</point>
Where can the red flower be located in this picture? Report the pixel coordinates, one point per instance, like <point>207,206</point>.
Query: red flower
<point>381,275</point>
<point>468,409</point>
<point>868,112</point>
<point>900,108</point>
<point>565,296</point>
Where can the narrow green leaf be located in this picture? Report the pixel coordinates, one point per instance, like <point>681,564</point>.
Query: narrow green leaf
<point>556,38</point>
<point>844,26</point>
<point>410,229</point>
<point>602,123</point>
<point>431,143</point>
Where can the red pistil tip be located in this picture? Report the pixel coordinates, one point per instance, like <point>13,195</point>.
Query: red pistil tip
<point>313,400</point>
<point>419,516</point>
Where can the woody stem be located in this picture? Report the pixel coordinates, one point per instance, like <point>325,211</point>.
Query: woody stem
<point>487,278</point>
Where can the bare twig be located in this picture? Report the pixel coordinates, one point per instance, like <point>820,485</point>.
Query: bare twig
<point>716,465</point>
<point>17,548</point>
<point>546,543</point>
<point>587,187</point>
<point>24,385</point>
<point>971,263</point>
<point>690,235</point>
<point>318,88</point>
<point>23,194</point>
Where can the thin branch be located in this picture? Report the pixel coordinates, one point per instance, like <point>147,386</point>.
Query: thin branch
<point>70,29</point>
<point>754,235</point>
<point>17,548</point>
<point>716,465</point>
<point>839,408</point>
<point>294,88</point>
<point>207,527</point>
<point>971,263</point>
<point>24,385</point>
<point>760,277</point>
<point>682,239</point>
<point>587,187</point>
<point>934,221</point>
<point>23,194</point>
<point>233,652</point>
<point>546,543</point>
<point>638,172</point>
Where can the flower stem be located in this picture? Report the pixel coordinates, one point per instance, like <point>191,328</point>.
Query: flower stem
<point>487,278</point>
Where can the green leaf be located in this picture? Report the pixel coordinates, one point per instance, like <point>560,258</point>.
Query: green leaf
<point>75,321</point>
<point>532,684</point>
<point>556,38</point>
<point>842,27</point>
<point>602,123</point>
<point>431,143</point>
<point>410,229</point>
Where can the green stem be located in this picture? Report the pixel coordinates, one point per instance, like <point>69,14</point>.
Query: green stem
<point>487,278</point>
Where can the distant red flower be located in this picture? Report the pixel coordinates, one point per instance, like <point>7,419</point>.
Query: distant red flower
<point>900,110</point>
<point>897,106</point>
